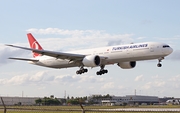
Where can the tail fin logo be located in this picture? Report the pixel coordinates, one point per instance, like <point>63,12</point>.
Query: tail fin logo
<point>34,44</point>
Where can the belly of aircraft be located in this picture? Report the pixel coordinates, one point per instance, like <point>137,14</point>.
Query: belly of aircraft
<point>56,63</point>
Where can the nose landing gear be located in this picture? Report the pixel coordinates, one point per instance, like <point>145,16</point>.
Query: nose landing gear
<point>159,62</point>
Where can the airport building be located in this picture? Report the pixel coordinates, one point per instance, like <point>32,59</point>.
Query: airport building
<point>23,100</point>
<point>130,100</point>
<point>19,100</point>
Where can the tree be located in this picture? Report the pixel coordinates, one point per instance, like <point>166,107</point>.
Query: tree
<point>68,97</point>
<point>72,97</point>
<point>38,101</point>
<point>85,98</point>
<point>52,96</point>
<point>48,101</point>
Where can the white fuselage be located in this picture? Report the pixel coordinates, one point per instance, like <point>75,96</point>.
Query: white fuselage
<point>113,54</point>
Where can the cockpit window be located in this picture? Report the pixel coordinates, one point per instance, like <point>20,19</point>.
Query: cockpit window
<point>165,46</point>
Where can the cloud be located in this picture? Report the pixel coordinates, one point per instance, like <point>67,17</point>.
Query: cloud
<point>121,87</point>
<point>83,38</point>
<point>140,38</point>
<point>76,78</point>
<point>66,78</point>
<point>48,31</point>
<point>109,85</point>
<point>6,52</point>
<point>175,78</point>
<point>45,77</point>
<point>154,84</point>
<point>148,85</point>
<point>115,42</point>
<point>24,79</point>
<point>159,83</point>
<point>15,80</point>
<point>38,77</point>
<point>174,82</point>
<point>139,78</point>
<point>155,77</point>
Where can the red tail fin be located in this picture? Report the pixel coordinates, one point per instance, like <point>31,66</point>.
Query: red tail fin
<point>34,44</point>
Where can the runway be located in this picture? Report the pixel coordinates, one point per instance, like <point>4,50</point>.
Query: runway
<point>140,109</point>
<point>151,109</point>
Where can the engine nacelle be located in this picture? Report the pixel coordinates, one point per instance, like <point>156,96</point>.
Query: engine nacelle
<point>127,65</point>
<point>91,61</point>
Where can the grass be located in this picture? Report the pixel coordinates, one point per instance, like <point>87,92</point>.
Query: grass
<point>92,107</point>
<point>74,109</point>
<point>80,112</point>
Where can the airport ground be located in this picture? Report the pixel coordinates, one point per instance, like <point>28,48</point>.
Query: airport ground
<point>91,109</point>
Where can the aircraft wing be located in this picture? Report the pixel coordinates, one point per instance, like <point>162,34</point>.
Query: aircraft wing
<point>25,59</point>
<point>60,55</point>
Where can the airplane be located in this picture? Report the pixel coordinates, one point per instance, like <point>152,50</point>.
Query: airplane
<point>125,56</point>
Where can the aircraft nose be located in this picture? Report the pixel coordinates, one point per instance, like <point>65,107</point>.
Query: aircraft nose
<point>170,50</point>
<point>167,51</point>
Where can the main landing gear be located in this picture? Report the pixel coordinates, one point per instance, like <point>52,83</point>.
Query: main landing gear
<point>159,62</point>
<point>102,71</point>
<point>81,70</point>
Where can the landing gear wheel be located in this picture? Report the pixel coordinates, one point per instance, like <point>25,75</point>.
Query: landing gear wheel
<point>82,70</point>
<point>159,65</point>
<point>77,72</point>
<point>98,73</point>
<point>85,70</point>
<point>102,71</point>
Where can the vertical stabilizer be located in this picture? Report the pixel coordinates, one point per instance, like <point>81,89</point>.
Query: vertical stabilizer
<point>34,44</point>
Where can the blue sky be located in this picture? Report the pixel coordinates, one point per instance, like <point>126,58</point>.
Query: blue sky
<point>69,25</point>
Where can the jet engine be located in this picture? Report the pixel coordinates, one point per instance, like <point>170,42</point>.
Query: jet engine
<point>91,61</point>
<point>127,65</point>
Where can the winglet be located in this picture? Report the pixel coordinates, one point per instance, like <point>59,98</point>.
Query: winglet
<point>34,44</point>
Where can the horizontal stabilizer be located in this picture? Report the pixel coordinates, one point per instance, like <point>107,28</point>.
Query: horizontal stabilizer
<point>25,59</point>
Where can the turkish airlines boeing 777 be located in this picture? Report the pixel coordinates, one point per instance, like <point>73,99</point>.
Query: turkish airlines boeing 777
<point>125,56</point>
